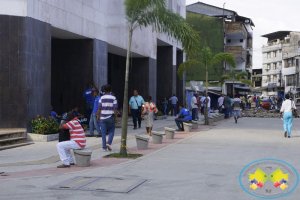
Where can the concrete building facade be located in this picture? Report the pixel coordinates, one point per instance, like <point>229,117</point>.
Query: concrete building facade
<point>51,49</point>
<point>238,40</point>
<point>280,69</point>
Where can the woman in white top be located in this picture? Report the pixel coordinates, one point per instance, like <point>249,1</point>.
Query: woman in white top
<point>286,109</point>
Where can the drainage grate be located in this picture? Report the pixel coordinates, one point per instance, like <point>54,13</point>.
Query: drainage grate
<point>102,184</point>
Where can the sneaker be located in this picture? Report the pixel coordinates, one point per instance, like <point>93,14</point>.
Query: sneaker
<point>72,163</point>
<point>235,120</point>
<point>98,136</point>
<point>289,136</point>
<point>179,129</point>
<point>134,128</point>
<point>105,150</point>
<point>140,126</point>
<point>63,166</point>
<point>89,136</point>
<point>108,146</point>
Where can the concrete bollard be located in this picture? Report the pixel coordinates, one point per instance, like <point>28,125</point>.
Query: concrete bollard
<point>195,124</point>
<point>82,157</point>
<point>187,127</point>
<point>157,137</point>
<point>170,132</point>
<point>210,120</point>
<point>142,142</point>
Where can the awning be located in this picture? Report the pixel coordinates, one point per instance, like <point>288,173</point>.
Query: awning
<point>243,88</point>
<point>294,92</point>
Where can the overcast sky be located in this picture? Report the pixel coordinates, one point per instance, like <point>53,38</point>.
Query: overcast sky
<point>268,16</point>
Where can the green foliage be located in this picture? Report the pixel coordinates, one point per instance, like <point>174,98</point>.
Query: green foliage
<point>44,126</point>
<point>159,113</point>
<point>143,13</point>
<point>210,30</point>
<point>237,77</point>
<point>118,155</point>
<point>223,78</point>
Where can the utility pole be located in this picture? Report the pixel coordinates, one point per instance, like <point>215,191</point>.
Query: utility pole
<point>280,81</point>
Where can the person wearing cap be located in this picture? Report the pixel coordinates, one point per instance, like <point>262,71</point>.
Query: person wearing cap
<point>194,105</point>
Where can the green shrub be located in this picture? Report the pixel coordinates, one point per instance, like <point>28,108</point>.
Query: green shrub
<point>44,126</point>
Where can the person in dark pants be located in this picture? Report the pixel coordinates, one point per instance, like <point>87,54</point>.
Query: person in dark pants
<point>89,99</point>
<point>184,116</point>
<point>227,105</point>
<point>135,108</point>
<point>194,105</point>
<point>173,101</point>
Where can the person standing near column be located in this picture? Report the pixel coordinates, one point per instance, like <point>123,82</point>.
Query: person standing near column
<point>194,105</point>
<point>107,114</point>
<point>89,99</point>
<point>173,101</point>
<point>135,108</point>
<point>165,103</point>
<point>287,111</point>
<point>227,104</point>
<point>93,120</point>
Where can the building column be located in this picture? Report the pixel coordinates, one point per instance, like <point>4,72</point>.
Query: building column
<point>25,70</point>
<point>100,59</point>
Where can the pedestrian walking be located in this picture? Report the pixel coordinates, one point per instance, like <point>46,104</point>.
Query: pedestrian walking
<point>237,106</point>
<point>184,116</point>
<point>220,103</point>
<point>107,114</point>
<point>135,108</point>
<point>93,121</point>
<point>173,101</point>
<point>257,102</point>
<point>148,112</point>
<point>286,112</point>
<point>194,105</point>
<point>165,104</point>
<point>227,105</point>
<point>77,140</point>
<point>202,105</point>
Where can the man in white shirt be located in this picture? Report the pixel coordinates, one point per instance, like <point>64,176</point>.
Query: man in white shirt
<point>203,100</point>
<point>194,105</point>
<point>220,103</point>
<point>236,106</point>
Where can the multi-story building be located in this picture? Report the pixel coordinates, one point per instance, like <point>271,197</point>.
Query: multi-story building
<point>257,81</point>
<point>51,50</point>
<point>237,39</point>
<point>280,66</point>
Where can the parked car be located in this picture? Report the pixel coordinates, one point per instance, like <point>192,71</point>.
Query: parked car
<point>266,104</point>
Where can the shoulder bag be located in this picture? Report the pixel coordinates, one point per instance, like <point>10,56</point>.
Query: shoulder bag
<point>294,111</point>
<point>139,107</point>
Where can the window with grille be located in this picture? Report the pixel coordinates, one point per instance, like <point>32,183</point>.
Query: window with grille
<point>290,80</point>
<point>275,66</point>
<point>275,54</point>
<point>268,66</point>
<point>269,55</point>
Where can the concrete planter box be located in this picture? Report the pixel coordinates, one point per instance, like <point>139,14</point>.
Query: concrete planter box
<point>161,117</point>
<point>157,137</point>
<point>142,142</point>
<point>187,127</point>
<point>195,124</point>
<point>82,157</point>
<point>170,133</point>
<point>41,138</point>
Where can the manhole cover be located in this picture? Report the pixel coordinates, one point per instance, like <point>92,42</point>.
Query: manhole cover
<point>104,184</point>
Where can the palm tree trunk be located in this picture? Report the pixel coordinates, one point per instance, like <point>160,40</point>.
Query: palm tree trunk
<point>233,89</point>
<point>206,114</point>
<point>123,150</point>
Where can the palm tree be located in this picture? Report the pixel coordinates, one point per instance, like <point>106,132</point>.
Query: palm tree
<point>238,77</point>
<point>143,13</point>
<point>207,60</point>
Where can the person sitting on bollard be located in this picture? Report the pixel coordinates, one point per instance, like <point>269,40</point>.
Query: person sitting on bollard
<point>77,140</point>
<point>184,116</point>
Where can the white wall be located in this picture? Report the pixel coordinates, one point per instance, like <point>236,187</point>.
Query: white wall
<point>100,19</point>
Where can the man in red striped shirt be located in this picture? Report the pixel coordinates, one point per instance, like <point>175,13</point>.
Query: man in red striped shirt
<point>77,141</point>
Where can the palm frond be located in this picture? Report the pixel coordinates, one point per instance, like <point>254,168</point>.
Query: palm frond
<point>206,56</point>
<point>223,78</point>
<point>182,67</point>
<point>246,81</point>
<point>227,57</point>
<point>240,74</point>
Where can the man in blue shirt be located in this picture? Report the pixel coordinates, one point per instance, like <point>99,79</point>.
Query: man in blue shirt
<point>173,101</point>
<point>135,104</point>
<point>93,120</point>
<point>184,116</point>
<point>89,99</point>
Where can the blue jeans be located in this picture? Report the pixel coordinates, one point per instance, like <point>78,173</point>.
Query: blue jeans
<point>194,113</point>
<point>136,114</point>
<point>230,110</point>
<point>288,122</point>
<point>237,113</point>
<point>226,113</point>
<point>94,123</point>
<point>165,110</point>
<point>107,125</point>
<point>179,122</point>
<point>89,110</point>
<point>174,109</point>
